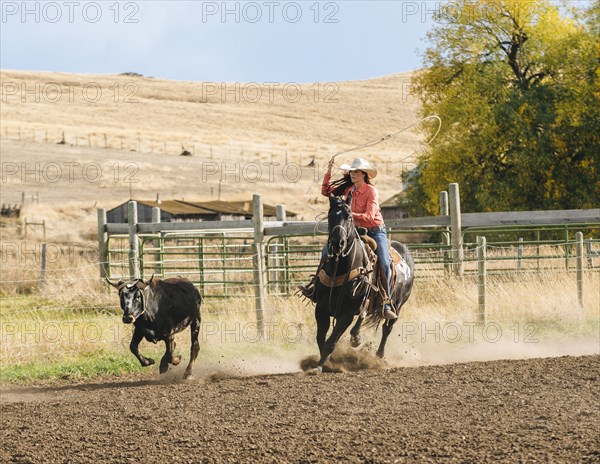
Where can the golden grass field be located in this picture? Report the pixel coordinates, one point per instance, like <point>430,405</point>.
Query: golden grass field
<point>237,139</point>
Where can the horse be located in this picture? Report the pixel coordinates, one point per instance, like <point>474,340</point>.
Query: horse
<point>345,284</point>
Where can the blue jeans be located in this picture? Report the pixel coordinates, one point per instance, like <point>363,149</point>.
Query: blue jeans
<point>383,254</point>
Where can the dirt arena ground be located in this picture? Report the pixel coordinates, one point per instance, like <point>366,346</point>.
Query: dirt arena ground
<point>537,410</point>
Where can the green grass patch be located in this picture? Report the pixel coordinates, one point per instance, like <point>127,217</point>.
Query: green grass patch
<point>85,366</point>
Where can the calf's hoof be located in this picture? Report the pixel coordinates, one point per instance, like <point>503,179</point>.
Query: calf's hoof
<point>176,360</point>
<point>147,362</point>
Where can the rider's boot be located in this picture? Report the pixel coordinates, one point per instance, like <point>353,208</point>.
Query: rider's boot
<point>387,311</point>
<point>308,290</point>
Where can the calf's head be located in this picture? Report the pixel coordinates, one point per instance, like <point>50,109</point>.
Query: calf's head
<point>132,296</point>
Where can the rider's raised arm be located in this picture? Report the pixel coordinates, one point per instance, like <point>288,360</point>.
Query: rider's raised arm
<point>326,186</point>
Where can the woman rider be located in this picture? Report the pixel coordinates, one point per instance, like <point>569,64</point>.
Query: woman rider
<point>365,211</point>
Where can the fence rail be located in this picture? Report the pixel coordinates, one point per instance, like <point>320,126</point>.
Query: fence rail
<point>228,258</point>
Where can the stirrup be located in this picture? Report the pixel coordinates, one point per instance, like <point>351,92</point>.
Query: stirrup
<point>387,311</point>
<point>308,290</point>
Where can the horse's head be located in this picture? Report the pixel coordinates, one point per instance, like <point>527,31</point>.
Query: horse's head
<point>340,224</point>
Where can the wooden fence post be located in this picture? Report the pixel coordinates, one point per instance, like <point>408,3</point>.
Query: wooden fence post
<point>580,263</point>
<point>445,235</point>
<point>134,250</point>
<point>481,276</point>
<point>280,212</point>
<point>18,268</point>
<point>259,285</point>
<point>102,244</point>
<point>455,219</point>
<point>43,273</point>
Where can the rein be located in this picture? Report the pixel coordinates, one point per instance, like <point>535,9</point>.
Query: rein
<point>351,275</point>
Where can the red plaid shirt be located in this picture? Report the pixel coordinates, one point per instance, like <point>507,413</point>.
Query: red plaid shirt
<point>365,203</point>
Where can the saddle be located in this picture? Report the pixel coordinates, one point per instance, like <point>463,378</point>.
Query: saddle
<point>397,265</point>
<point>372,276</point>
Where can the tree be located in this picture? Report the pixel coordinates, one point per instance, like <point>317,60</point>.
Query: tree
<point>517,86</point>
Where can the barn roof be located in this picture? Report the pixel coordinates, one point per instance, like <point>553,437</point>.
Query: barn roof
<point>180,208</point>
<point>244,208</point>
<point>176,207</point>
<point>393,202</point>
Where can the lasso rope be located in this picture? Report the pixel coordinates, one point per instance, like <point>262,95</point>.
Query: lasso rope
<point>389,136</point>
<point>372,143</point>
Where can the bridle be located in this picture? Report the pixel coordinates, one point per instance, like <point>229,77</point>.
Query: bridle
<point>343,252</point>
<point>343,243</point>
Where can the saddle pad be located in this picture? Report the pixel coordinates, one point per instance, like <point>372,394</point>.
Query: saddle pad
<point>395,257</point>
<point>369,241</point>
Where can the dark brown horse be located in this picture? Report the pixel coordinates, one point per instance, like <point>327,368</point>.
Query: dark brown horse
<point>344,286</point>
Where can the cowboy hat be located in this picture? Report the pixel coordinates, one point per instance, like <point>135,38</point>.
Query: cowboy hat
<point>360,164</point>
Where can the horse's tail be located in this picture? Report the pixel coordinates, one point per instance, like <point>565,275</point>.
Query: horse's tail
<point>401,290</point>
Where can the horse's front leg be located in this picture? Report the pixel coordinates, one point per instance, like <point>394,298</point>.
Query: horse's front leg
<point>355,332</point>
<point>386,331</point>
<point>341,325</point>
<point>323,323</point>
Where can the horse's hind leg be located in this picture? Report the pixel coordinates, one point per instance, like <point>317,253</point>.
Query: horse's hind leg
<point>341,325</point>
<point>386,331</point>
<point>355,332</point>
<point>195,331</point>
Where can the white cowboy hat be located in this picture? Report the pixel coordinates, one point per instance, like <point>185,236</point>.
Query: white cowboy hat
<point>360,164</point>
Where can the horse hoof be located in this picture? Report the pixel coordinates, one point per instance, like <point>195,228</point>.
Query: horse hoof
<point>355,342</point>
<point>188,377</point>
<point>316,371</point>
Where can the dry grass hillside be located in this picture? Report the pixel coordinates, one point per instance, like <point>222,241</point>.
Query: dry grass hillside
<point>138,126</point>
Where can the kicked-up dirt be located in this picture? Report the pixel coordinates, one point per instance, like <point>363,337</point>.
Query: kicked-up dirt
<point>537,410</point>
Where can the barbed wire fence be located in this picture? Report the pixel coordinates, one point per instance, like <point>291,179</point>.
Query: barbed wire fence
<point>183,146</point>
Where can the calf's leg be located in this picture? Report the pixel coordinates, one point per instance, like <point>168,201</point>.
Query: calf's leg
<point>134,347</point>
<point>169,356</point>
<point>195,331</point>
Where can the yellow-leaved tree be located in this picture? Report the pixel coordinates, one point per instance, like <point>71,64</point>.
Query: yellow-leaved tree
<point>517,86</point>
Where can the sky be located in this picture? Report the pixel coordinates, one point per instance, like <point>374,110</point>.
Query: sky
<point>245,41</point>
